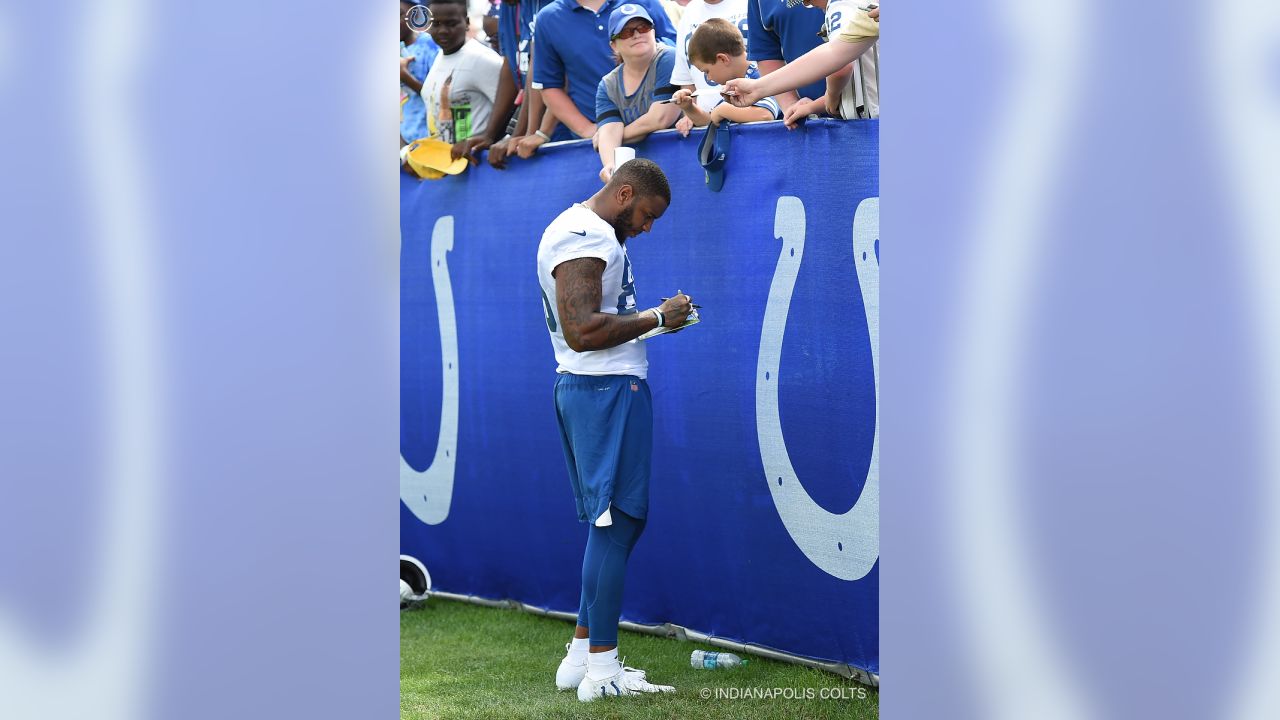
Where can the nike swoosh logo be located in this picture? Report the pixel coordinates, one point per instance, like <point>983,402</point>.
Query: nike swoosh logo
<point>583,233</point>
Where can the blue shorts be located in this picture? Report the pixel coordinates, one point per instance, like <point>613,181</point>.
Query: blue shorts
<point>606,427</point>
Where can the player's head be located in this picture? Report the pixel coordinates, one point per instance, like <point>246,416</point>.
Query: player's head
<point>449,24</point>
<point>640,190</point>
<point>717,50</point>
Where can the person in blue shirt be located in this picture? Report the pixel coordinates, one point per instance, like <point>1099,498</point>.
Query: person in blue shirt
<point>628,99</point>
<point>571,54</point>
<point>417,51</point>
<point>515,31</point>
<point>778,32</point>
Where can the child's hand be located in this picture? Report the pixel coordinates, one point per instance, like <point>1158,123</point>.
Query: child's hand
<point>684,125</point>
<point>716,112</point>
<point>606,172</point>
<point>683,99</point>
<point>795,115</point>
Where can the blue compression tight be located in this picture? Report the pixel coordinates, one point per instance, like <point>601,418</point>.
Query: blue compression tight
<point>604,567</point>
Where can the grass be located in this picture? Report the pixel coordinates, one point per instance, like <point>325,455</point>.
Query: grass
<point>475,663</point>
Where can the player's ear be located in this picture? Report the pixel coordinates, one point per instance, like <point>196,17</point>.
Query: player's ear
<point>624,193</point>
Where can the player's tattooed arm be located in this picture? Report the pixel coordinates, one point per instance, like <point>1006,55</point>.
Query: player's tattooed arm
<point>578,299</point>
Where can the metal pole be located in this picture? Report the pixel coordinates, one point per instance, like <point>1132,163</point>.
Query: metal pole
<point>678,632</point>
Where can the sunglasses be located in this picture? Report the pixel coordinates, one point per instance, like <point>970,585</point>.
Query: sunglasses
<point>629,31</point>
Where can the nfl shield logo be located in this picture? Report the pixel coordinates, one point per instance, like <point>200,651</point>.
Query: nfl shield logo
<point>635,387</point>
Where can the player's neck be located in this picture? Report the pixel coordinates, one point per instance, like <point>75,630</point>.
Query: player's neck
<point>599,204</point>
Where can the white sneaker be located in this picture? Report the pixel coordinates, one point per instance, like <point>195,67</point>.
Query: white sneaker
<point>570,674</point>
<point>625,682</point>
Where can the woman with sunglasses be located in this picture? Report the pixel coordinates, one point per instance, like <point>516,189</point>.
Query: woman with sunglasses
<point>628,100</point>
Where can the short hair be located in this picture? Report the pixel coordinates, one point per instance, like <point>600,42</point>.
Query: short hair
<point>460,3</point>
<point>644,177</point>
<point>713,37</point>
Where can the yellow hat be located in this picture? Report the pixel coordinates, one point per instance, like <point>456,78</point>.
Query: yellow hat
<point>430,159</point>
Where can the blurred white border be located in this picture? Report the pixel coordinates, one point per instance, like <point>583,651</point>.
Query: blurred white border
<point>1018,670</point>
<point>6,45</point>
<point>102,674</point>
<point>1244,97</point>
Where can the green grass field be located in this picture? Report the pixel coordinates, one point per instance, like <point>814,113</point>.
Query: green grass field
<point>465,661</point>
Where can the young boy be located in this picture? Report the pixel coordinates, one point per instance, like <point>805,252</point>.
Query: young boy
<point>717,49</point>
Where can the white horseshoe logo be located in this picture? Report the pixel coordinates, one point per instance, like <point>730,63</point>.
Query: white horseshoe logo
<point>430,492</point>
<point>112,659</point>
<point>847,545</point>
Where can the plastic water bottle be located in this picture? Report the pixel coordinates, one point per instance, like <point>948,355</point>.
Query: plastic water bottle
<point>711,660</point>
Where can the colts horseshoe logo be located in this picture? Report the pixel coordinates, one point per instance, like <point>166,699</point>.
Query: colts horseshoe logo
<point>429,493</point>
<point>846,545</point>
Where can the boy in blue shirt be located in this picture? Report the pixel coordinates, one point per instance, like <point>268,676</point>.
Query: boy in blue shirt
<point>716,48</point>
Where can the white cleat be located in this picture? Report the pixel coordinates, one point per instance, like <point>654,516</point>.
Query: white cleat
<point>570,674</point>
<point>623,683</point>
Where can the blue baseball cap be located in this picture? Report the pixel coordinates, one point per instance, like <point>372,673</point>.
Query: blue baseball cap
<point>713,152</point>
<point>625,14</point>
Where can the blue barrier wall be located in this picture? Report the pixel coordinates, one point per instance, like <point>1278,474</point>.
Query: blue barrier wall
<point>764,512</point>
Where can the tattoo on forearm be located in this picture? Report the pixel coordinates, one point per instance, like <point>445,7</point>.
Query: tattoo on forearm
<point>578,299</point>
<point>578,293</point>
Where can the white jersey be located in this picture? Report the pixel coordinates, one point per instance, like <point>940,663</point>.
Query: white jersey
<point>696,13</point>
<point>579,233</point>
<point>473,72</point>
<point>863,90</point>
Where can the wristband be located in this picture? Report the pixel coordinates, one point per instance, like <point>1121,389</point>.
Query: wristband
<point>542,135</point>
<point>662,321</point>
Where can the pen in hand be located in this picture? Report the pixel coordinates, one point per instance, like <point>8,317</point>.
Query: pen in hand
<point>692,305</point>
